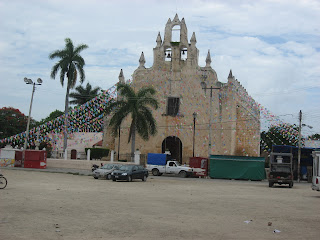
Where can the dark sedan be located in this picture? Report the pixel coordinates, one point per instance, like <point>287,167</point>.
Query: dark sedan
<point>130,172</point>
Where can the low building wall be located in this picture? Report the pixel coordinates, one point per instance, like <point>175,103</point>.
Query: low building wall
<point>75,164</point>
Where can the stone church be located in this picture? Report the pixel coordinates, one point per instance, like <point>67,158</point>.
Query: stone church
<point>198,114</point>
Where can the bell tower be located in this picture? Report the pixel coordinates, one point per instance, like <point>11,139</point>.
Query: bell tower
<point>175,53</point>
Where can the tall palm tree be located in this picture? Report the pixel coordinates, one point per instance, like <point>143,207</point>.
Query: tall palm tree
<point>70,64</point>
<point>82,95</point>
<point>137,106</point>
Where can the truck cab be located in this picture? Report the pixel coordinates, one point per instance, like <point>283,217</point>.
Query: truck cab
<point>281,169</point>
<point>159,164</point>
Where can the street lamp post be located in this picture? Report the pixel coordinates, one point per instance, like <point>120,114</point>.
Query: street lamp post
<point>299,144</point>
<point>194,130</point>
<point>29,81</point>
<point>204,87</point>
<point>119,145</point>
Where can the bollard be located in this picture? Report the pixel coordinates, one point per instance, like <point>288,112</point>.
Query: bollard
<point>137,157</point>
<point>88,154</point>
<point>112,156</point>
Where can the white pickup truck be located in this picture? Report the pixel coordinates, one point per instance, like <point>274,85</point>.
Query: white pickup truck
<point>158,164</point>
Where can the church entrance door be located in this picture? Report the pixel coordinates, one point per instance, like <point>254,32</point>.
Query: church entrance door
<point>174,145</point>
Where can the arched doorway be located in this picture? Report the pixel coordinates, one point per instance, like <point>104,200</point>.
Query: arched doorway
<point>174,145</point>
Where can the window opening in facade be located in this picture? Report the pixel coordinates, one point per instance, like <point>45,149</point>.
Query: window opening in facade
<point>168,55</point>
<point>175,34</point>
<point>173,106</point>
<point>184,54</point>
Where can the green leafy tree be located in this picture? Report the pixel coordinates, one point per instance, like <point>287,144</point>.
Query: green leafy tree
<point>315,136</point>
<point>138,106</point>
<point>82,95</point>
<point>70,64</point>
<point>283,134</point>
<point>53,115</point>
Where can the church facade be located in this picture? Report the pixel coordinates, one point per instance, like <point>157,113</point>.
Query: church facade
<point>198,114</point>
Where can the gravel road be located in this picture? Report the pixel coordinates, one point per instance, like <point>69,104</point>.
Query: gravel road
<point>44,205</point>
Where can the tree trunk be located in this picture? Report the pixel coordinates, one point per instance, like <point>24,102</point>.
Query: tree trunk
<point>133,141</point>
<point>65,143</point>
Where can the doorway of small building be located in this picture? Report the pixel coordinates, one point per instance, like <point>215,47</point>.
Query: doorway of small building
<point>73,154</point>
<point>174,145</point>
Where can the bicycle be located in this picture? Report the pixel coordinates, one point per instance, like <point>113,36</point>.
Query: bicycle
<point>3,181</point>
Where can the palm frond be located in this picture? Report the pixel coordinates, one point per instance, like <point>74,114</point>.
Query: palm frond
<point>79,48</point>
<point>69,45</point>
<point>81,73</point>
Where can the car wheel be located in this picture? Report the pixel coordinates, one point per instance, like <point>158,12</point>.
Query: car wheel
<point>95,177</point>
<point>155,172</point>
<point>144,178</point>
<point>183,174</point>
<point>114,179</point>
<point>270,184</point>
<point>108,177</point>
<point>129,178</point>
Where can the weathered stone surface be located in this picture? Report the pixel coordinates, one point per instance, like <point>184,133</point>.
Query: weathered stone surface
<point>235,115</point>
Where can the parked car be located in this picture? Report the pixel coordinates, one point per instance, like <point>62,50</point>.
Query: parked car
<point>105,171</point>
<point>130,172</point>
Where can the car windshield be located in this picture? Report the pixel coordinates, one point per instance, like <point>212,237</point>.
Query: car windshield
<point>281,168</point>
<point>107,166</point>
<point>126,167</point>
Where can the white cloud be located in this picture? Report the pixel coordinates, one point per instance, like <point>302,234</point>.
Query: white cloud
<point>271,46</point>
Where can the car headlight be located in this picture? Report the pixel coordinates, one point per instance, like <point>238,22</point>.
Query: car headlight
<point>112,173</point>
<point>124,174</point>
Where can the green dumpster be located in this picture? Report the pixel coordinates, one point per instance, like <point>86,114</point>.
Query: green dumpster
<point>237,167</point>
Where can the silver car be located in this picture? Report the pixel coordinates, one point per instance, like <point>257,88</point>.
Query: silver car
<point>105,171</point>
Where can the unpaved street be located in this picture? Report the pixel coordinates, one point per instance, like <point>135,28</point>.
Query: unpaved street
<point>42,205</point>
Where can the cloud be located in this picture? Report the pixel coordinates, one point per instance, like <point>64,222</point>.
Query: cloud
<point>271,46</point>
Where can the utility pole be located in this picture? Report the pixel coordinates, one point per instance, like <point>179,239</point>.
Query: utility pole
<point>203,85</point>
<point>194,131</point>
<point>299,146</point>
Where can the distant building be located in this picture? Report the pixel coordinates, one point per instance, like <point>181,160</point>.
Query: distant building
<point>180,83</point>
<point>312,143</point>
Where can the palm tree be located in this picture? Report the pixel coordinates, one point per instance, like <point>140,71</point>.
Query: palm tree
<point>70,64</point>
<point>137,106</point>
<point>82,95</point>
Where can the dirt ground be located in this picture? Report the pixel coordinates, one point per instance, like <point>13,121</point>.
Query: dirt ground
<point>42,205</point>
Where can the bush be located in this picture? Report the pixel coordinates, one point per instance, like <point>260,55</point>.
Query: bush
<point>98,153</point>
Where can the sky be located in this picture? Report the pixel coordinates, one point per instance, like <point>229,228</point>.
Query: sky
<point>272,47</point>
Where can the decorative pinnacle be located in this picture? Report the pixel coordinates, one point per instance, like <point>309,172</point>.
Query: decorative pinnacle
<point>208,59</point>
<point>176,18</point>
<point>142,60</point>
<point>159,40</point>
<point>121,77</point>
<point>193,38</point>
<point>230,74</point>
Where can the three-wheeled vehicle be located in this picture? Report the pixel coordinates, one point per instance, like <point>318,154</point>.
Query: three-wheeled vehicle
<point>281,169</point>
